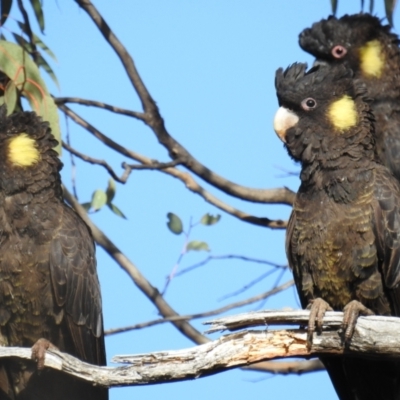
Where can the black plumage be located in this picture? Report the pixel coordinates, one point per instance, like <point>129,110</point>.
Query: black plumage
<point>48,281</point>
<point>361,42</point>
<point>343,237</point>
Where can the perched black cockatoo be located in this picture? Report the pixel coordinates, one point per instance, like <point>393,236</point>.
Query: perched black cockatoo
<point>343,237</point>
<point>49,290</point>
<point>372,51</point>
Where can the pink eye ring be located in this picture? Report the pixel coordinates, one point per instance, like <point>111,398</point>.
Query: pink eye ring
<point>339,51</point>
<point>308,104</point>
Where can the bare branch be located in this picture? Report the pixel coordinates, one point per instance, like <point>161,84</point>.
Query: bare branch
<point>250,284</point>
<point>186,178</point>
<point>121,52</point>
<point>373,337</point>
<point>154,120</point>
<point>99,104</point>
<point>217,311</point>
<point>332,319</point>
<point>102,137</point>
<point>155,165</point>
<point>192,185</point>
<point>124,177</point>
<point>226,257</point>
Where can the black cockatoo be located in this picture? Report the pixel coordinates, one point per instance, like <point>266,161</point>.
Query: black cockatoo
<point>49,290</point>
<point>361,42</point>
<point>343,237</point>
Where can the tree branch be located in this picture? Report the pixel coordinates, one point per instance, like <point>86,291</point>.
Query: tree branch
<point>217,311</point>
<point>124,177</point>
<point>373,337</point>
<point>153,119</point>
<point>186,178</point>
<point>99,104</point>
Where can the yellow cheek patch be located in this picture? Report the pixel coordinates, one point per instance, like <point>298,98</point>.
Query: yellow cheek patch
<point>343,113</point>
<point>22,151</point>
<point>372,59</point>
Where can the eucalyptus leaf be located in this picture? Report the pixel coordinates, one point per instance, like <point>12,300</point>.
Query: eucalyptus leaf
<point>99,199</point>
<point>41,62</point>
<point>10,97</point>
<point>389,8</point>
<point>334,4</point>
<point>208,219</point>
<point>86,206</point>
<point>37,7</point>
<point>37,41</point>
<point>116,210</point>
<point>197,245</point>
<point>16,63</point>
<point>111,189</point>
<point>371,6</point>
<point>23,42</point>
<point>5,6</point>
<point>174,223</point>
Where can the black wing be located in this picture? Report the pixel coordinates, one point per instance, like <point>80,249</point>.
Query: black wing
<point>387,231</point>
<point>76,288</point>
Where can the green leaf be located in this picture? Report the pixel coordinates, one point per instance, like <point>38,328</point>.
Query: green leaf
<point>37,7</point>
<point>371,6</point>
<point>389,8</point>
<point>174,224</point>
<point>208,219</point>
<point>334,6</point>
<point>23,42</point>
<point>16,63</point>
<point>45,65</point>
<point>86,206</point>
<point>10,97</point>
<point>99,199</point>
<point>5,6</point>
<point>197,246</point>
<point>38,41</point>
<point>116,210</point>
<point>111,189</point>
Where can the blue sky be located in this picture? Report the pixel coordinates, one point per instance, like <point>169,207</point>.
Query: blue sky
<point>210,66</point>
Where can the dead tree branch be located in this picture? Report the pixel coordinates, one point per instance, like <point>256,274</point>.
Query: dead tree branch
<point>374,336</point>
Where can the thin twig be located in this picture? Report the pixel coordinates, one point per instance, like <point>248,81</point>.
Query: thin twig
<point>225,257</point>
<point>155,165</point>
<point>122,179</point>
<point>203,314</point>
<point>99,104</point>
<point>249,285</point>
